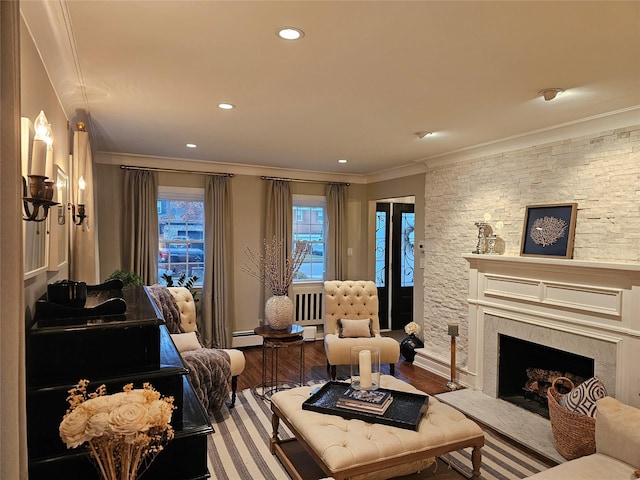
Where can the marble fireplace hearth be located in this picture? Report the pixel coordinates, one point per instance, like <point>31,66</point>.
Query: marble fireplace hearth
<point>520,425</point>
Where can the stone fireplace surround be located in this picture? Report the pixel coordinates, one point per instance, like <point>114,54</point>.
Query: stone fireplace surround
<point>588,308</point>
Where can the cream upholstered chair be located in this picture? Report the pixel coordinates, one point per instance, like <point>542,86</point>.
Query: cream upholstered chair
<point>187,306</point>
<point>354,300</point>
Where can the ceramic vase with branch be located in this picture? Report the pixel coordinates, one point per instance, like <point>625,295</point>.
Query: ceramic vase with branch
<point>276,274</point>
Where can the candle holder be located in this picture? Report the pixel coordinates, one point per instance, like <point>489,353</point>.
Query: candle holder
<point>484,229</point>
<point>79,218</point>
<point>491,244</point>
<point>452,330</point>
<point>36,198</point>
<point>365,368</point>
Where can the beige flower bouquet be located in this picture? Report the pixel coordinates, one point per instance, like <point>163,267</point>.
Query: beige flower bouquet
<point>412,328</point>
<point>123,431</point>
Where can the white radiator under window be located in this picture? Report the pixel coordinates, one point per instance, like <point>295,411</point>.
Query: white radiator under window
<point>308,304</point>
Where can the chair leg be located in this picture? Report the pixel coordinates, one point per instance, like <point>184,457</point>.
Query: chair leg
<point>331,370</point>
<point>392,369</point>
<point>234,387</point>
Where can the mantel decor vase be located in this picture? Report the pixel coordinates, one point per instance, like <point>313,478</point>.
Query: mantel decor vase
<point>408,347</point>
<point>279,312</point>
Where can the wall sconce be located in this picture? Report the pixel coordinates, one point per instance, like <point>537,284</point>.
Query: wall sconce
<point>79,218</point>
<point>37,194</point>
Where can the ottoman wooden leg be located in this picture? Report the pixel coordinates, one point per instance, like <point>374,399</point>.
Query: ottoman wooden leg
<point>275,424</point>
<point>476,460</point>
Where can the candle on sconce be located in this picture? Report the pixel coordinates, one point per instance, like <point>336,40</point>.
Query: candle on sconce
<point>81,186</point>
<point>49,163</point>
<point>39,158</point>
<point>487,217</point>
<point>49,155</point>
<point>452,329</point>
<point>39,148</point>
<point>365,369</point>
<point>499,226</point>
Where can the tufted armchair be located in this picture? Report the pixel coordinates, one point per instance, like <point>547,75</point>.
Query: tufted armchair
<point>353,300</point>
<point>188,340</point>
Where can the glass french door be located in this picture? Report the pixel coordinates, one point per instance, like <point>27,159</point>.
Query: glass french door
<point>395,236</point>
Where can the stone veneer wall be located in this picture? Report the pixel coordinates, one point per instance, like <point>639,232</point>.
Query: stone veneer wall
<point>599,172</point>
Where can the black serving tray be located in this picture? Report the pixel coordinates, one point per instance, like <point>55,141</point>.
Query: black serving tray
<point>405,410</point>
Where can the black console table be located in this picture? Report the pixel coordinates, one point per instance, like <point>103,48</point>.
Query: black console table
<point>133,347</point>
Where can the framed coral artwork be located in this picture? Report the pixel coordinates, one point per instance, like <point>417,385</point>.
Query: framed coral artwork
<point>548,230</point>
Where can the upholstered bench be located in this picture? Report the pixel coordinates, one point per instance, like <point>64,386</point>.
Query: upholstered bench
<point>186,305</point>
<point>355,449</point>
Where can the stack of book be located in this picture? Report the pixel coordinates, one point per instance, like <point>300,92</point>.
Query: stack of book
<point>373,401</point>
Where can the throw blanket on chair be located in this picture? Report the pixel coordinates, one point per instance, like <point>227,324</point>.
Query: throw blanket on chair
<point>168,308</point>
<point>210,375</point>
<point>209,368</point>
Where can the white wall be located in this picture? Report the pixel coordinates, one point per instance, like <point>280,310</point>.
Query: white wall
<point>38,94</point>
<point>601,172</point>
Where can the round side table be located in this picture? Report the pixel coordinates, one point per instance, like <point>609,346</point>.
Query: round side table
<point>272,342</point>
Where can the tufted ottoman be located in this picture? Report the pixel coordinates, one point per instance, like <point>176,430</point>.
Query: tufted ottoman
<point>355,449</point>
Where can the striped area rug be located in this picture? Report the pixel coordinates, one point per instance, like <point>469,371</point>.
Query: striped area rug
<point>239,448</point>
<point>500,460</point>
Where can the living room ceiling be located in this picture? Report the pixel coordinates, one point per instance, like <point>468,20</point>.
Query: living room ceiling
<point>147,76</point>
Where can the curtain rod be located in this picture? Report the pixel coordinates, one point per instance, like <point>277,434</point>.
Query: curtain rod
<point>301,180</point>
<point>172,170</point>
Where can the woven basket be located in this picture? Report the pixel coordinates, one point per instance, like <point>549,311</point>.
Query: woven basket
<point>574,433</point>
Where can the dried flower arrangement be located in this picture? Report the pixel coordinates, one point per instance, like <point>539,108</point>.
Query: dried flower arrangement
<point>124,431</point>
<point>266,266</point>
<point>411,328</point>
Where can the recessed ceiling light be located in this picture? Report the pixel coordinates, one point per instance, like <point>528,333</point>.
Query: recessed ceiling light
<point>422,135</point>
<point>550,93</point>
<point>342,160</point>
<point>226,106</point>
<point>191,145</point>
<point>290,33</point>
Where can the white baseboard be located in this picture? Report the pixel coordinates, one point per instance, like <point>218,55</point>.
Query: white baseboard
<point>442,368</point>
<point>245,338</point>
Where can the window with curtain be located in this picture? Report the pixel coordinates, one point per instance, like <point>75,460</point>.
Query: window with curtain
<point>309,214</point>
<point>181,233</point>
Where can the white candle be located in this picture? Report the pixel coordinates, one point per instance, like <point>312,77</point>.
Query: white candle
<point>81,186</point>
<point>49,163</point>
<point>39,157</point>
<point>365,369</point>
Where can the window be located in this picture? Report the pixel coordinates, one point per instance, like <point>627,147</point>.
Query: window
<point>309,226</point>
<point>181,233</point>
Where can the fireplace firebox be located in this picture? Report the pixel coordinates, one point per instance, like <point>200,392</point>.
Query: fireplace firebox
<point>520,360</point>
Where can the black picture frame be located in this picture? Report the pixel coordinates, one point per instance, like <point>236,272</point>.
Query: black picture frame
<point>549,230</point>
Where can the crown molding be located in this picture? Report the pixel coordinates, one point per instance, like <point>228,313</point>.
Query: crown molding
<point>587,126</point>
<point>206,166</point>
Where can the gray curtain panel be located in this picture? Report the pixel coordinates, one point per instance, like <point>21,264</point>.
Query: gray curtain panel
<point>279,218</point>
<point>140,239</point>
<point>336,232</point>
<point>218,272</point>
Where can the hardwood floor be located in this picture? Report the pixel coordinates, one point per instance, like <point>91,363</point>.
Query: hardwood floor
<point>315,362</point>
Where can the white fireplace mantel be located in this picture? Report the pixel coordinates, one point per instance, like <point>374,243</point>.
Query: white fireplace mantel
<point>588,308</point>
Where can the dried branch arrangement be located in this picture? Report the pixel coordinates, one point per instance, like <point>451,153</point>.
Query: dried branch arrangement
<point>266,265</point>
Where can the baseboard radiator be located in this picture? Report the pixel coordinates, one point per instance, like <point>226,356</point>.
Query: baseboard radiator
<point>246,338</point>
